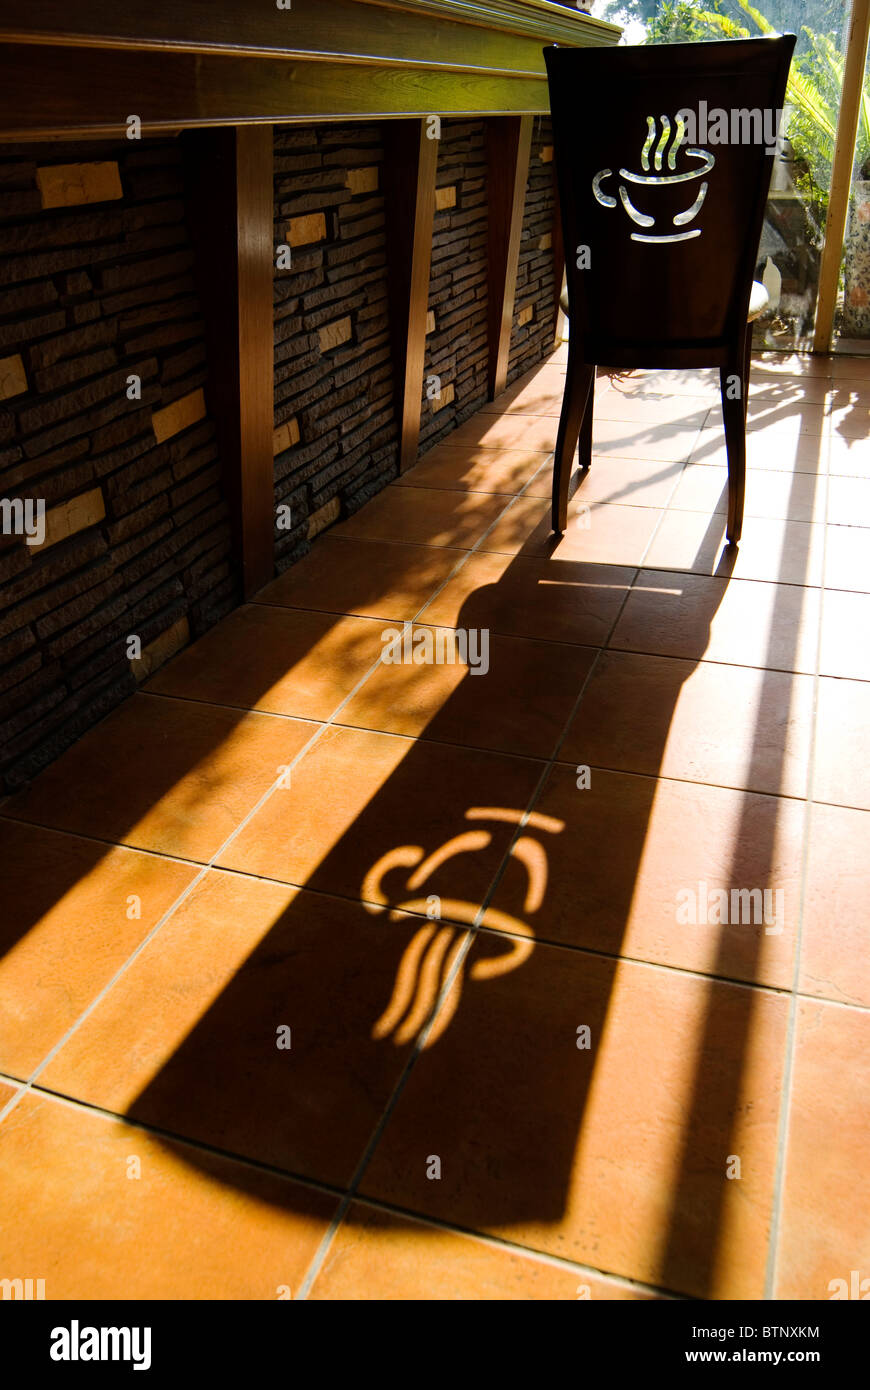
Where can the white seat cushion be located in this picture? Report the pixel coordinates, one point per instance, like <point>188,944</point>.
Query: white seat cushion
<point>759,300</point>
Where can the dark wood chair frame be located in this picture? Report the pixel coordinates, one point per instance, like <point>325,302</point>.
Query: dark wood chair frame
<point>693,305</point>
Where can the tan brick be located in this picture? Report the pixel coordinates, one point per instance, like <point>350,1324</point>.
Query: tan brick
<point>544,242</point>
<point>68,185</point>
<point>165,645</point>
<point>362,180</point>
<point>334,334</point>
<point>430,321</point>
<point>445,198</point>
<point>285,436</point>
<point>76,515</point>
<point>445,398</point>
<point>525,315</point>
<point>546,154</point>
<point>174,418</point>
<point>301,231</point>
<point>323,517</point>
<point>13,379</point>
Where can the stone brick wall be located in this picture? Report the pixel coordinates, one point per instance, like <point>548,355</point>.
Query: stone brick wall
<point>336,441</point>
<point>96,290</point>
<point>534,313</point>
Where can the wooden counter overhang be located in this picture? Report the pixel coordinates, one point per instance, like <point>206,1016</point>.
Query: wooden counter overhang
<point>230,69</point>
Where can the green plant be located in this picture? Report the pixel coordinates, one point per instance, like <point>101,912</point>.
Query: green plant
<point>677,21</point>
<point>813,93</point>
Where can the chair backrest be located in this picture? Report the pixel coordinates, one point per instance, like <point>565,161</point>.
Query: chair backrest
<point>663,157</point>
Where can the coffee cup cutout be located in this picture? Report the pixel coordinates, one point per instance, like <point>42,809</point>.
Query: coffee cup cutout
<point>649,180</point>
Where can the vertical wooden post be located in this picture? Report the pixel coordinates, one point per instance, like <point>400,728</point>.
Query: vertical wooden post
<point>232,217</point>
<point>509,141</point>
<point>409,188</point>
<point>841,173</point>
<point>255,268</point>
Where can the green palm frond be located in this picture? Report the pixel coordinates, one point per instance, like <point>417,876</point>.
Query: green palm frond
<point>813,93</point>
<point>828,53</point>
<point>764,25</point>
<point>803,93</point>
<point>729,27</point>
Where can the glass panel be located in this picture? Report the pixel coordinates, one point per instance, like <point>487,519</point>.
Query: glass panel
<point>794,225</point>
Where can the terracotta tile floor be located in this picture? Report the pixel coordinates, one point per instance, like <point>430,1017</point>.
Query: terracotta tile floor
<point>407,980</point>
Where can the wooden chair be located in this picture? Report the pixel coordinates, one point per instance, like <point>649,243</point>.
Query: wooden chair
<point>661,231</point>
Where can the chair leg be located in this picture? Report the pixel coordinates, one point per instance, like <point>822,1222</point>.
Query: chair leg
<point>578,379</point>
<point>734,417</point>
<point>585,451</point>
<point>747,358</point>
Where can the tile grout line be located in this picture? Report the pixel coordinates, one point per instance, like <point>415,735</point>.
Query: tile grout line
<point>787,1084</point>
<point>693,972</point>
<point>526,1251</point>
<point>460,747</point>
<point>332,1190</point>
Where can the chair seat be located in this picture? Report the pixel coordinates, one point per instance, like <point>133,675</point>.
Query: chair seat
<point>759,301</point>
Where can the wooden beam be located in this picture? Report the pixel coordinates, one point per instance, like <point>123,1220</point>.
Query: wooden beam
<point>46,91</point>
<point>508,36</point>
<point>509,141</point>
<point>409,187</point>
<point>841,173</point>
<point>232,220</point>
